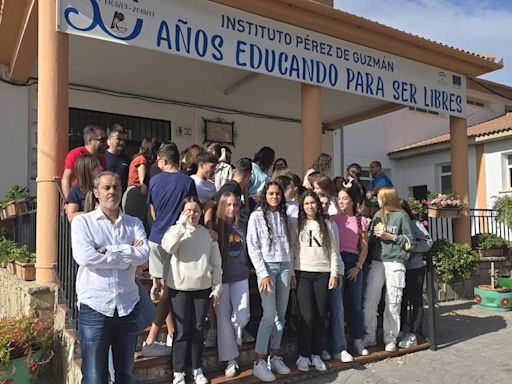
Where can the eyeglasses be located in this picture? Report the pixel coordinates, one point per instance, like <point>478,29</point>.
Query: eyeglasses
<point>100,139</point>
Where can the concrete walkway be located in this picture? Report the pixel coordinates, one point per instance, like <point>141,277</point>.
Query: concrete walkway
<point>475,346</point>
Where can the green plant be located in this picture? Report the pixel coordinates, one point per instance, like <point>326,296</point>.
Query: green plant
<point>6,246</point>
<point>22,336</point>
<point>20,254</point>
<point>418,208</point>
<point>503,205</point>
<point>16,193</point>
<point>453,261</point>
<point>488,241</point>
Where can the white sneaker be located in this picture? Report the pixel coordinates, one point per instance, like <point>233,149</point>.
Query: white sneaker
<point>262,371</point>
<point>408,341</point>
<point>390,347</point>
<point>247,337</point>
<point>211,338</point>
<point>155,349</point>
<point>231,368</point>
<point>277,364</point>
<point>318,363</point>
<point>326,355</point>
<point>169,340</point>
<point>179,378</point>
<point>303,363</point>
<point>199,377</point>
<point>360,348</point>
<point>346,357</point>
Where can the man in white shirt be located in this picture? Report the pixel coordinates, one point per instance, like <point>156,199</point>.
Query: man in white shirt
<point>108,245</point>
<point>206,164</point>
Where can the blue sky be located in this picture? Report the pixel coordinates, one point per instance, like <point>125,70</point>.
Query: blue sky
<point>479,26</point>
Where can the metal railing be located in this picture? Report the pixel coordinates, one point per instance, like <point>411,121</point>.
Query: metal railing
<point>486,221</point>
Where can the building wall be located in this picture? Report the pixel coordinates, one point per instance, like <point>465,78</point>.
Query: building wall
<point>14,111</point>
<point>495,169</point>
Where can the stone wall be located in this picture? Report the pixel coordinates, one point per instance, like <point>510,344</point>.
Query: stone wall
<point>25,297</point>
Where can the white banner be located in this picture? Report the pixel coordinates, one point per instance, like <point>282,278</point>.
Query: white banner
<point>211,32</point>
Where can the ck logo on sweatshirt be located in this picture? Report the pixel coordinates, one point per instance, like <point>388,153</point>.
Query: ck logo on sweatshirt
<point>311,238</point>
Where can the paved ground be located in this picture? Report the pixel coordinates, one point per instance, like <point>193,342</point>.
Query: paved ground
<point>475,346</point>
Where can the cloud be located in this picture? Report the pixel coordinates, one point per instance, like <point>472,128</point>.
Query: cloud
<point>482,27</point>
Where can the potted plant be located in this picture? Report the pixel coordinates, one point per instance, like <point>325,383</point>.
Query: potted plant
<point>419,209</point>
<point>26,345</point>
<point>11,262</point>
<point>6,246</point>
<point>489,244</point>
<point>444,205</point>
<point>15,201</point>
<point>25,264</point>
<point>452,261</point>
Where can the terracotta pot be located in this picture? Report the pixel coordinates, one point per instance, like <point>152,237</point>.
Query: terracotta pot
<point>11,210</point>
<point>26,271</point>
<point>451,213</point>
<point>11,267</point>
<point>492,252</point>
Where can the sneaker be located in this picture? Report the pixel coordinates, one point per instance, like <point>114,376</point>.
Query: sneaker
<point>360,348</point>
<point>199,377</point>
<point>247,337</point>
<point>277,364</point>
<point>390,347</point>
<point>408,341</point>
<point>318,363</point>
<point>211,338</point>
<point>169,340</point>
<point>179,378</point>
<point>303,363</point>
<point>262,371</point>
<point>345,357</point>
<point>231,368</point>
<point>326,355</point>
<point>156,349</point>
<point>368,342</point>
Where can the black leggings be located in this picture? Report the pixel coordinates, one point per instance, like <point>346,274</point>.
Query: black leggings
<point>413,296</point>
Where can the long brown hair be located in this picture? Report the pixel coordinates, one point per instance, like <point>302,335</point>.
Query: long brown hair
<point>326,185</point>
<point>319,218</point>
<point>390,202</point>
<point>82,169</point>
<point>222,222</point>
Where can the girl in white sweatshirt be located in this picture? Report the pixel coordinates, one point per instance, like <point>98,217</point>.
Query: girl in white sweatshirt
<point>194,276</point>
<point>268,243</point>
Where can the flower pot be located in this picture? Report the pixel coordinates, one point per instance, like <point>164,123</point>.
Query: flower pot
<point>11,267</point>
<point>436,213</point>
<point>3,213</point>
<point>21,207</point>
<point>499,300</point>
<point>11,210</point>
<point>492,252</point>
<point>26,271</point>
<point>19,371</point>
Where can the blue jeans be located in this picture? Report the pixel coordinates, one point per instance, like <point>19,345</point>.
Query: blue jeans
<point>274,306</point>
<point>97,333</point>
<point>354,289</point>
<point>147,313</point>
<point>337,320</point>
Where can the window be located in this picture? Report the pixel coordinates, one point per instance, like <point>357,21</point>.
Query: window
<point>419,192</point>
<point>365,176</point>
<point>446,179</point>
<point>509,172</point>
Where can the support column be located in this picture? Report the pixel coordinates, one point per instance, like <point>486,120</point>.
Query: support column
<point>52,134</point>
<point>460,176</point>
<point>311,133</point>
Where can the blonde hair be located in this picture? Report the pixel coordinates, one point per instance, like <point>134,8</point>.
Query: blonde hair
<point>222,222</point>
<point>389,202</point>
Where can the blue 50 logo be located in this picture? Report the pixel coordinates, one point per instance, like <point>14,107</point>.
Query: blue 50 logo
<point>117,22</point>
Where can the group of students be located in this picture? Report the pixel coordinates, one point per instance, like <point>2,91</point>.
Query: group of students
<point>209,221</point>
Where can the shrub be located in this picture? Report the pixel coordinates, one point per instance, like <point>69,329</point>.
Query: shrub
<point>503,205</point>
<point>488,241</point>
<point>6,246</point>
<point>453,261</point>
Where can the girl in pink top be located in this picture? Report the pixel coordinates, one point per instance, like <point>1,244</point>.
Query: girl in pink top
<point>353,233</point>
